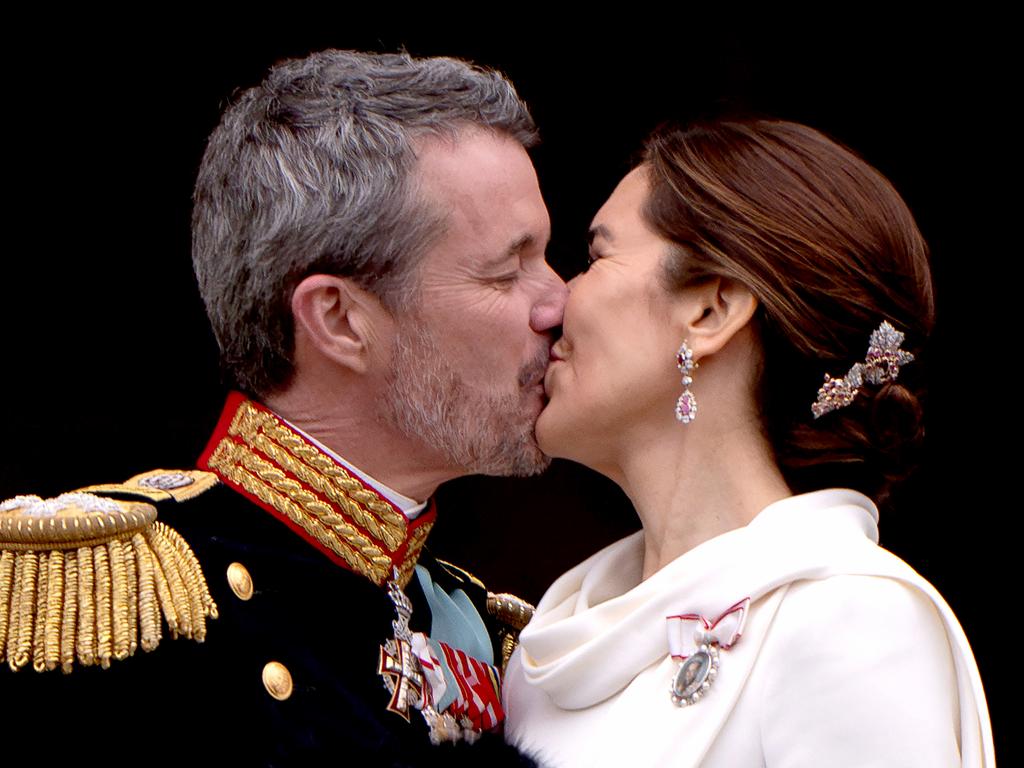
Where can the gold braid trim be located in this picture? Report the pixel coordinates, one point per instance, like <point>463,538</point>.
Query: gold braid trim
<point>271,486</point>
<point>412,554</point>
<point>6,584</point>
<point>97,601</point>
<point>391,537</point>
<point>265,433</point>
<point>513,613</point>
<point>351,487</point>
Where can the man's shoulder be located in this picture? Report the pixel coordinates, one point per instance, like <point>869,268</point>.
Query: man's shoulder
<point>260,633</point>
<point>172,603</point>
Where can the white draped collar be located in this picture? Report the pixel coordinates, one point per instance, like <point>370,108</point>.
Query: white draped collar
<point>601,610</point>
<point>592,631</point>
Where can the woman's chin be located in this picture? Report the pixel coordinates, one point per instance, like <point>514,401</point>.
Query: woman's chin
<point>555,433</point>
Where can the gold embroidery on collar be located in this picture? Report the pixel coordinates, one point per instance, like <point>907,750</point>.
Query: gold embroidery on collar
<point>262,432</point>
<point>271,486</point>
<point>412,554</point>
<point>271,462</point>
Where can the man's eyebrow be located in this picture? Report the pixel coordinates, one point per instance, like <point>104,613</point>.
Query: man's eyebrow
<point>520,244</point>
<point>596,231</point>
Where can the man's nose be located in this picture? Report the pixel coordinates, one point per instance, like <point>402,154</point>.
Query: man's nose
<point>546,312</point>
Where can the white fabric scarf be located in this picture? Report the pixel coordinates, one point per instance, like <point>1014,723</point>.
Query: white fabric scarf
<point>601,610</point>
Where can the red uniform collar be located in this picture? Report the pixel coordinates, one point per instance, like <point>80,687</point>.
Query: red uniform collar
<point>257,454</point>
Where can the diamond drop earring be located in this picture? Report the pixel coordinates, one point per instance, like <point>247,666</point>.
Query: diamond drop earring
<point>686,405</point>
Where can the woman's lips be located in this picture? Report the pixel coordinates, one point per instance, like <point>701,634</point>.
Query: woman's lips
<point>547,376</point>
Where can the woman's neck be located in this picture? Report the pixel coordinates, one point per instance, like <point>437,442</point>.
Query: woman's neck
<point>689,490</point>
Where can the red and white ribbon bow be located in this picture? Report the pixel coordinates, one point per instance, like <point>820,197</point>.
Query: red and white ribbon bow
<point>687,632</point>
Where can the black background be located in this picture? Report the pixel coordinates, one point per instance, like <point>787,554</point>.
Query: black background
<point>109,368</point>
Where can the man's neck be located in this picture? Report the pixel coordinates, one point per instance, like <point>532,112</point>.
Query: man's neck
<point>378,452</point>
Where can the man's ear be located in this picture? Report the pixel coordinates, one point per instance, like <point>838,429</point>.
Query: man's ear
<point>341,321</point>
<point>714,312</point>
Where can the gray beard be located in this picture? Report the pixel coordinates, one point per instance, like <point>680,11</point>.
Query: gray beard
<point>427,400</point>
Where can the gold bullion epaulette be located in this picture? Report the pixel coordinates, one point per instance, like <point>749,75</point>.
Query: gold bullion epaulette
<point>88,578</point>
<point>512,613</point>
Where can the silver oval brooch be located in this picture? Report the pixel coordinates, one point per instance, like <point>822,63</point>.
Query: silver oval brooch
<point>695,642</point>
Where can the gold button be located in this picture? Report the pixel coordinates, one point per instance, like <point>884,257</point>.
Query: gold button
<point>277,680</point>
<point>240,581</point>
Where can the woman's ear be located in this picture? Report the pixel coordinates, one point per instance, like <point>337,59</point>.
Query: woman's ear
<point>340,321</point>
<point>715,311</point>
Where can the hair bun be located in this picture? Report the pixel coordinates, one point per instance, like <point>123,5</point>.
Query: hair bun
<point>896,430</point>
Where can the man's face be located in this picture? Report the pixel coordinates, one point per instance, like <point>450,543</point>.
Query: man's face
<point>467,369</point>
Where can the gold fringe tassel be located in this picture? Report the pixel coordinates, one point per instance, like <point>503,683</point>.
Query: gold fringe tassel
<point>26,610</point>
<point>6,586</point>
<point>69,614</point>
<point>55,593</point>
<point>101,602</point>
<point>39,630</point>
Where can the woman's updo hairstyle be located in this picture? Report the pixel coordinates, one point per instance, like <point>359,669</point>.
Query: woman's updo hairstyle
<point>830,250</point>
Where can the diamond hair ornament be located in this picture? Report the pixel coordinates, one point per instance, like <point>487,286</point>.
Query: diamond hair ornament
<point>882,364</point>
<point>686,405</point>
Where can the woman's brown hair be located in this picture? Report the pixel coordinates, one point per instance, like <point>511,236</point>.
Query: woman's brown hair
<point>830,250</point>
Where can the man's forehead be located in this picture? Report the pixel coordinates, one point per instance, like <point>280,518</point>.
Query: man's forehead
<point>474,160</point>
<point>486,186</point>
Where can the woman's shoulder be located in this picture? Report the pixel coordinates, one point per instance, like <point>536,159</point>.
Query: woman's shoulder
<point>878,616</point>
<point>851,600</point>
<point>865,664</point>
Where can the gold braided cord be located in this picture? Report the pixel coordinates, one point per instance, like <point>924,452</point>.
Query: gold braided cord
<point>412,553</point>
<point>69,617</point>
<point>26,610</point>
<point>266,482</point>
<point>389,535</point>
<point>104,628</point>
<point>509,641</point>
<point>342,478</point>
<point>119,599</point>
<point>132,578</point>
<point>265,432</point>
<point>6,585</point>
<point>54,602</point>
<point>355,560</point>
<point>149,604</point>
<point>39,628</point>
<point>86,635</point>
<point>318,513</point>
<point>350,486</point>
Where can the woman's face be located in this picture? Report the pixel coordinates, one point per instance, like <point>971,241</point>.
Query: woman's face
<point>613,371</point>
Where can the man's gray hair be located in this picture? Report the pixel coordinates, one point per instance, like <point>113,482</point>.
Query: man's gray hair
<point>312,172</point>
